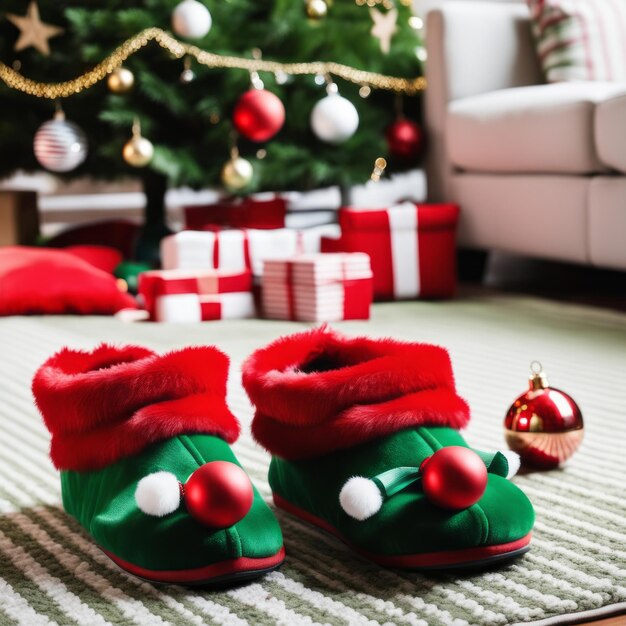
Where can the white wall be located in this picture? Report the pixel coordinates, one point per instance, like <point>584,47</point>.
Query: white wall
<point>423,6</point>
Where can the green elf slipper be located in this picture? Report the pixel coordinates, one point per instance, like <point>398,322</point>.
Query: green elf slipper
<point>365,444</point>
<point>142,442</point>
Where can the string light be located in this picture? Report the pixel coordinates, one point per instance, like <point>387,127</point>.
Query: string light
<point>388,4</point>
<point>380,165</point>
<point>13,79</point>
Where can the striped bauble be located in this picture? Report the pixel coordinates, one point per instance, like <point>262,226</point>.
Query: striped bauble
<point>59,145</point>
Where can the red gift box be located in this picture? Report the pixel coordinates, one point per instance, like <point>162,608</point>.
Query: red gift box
<point>412,248</point>
<point>318,288</point>
<point>245,213</point>
<point>331,244</point>
<point>194,296</point>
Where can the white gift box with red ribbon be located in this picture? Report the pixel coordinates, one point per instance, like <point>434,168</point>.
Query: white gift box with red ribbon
<point>412,247</point>
<point>196,295</point>
<point>318,287</point>
<point>239,249</point>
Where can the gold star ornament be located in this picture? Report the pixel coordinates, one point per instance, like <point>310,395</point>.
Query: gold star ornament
<point>33,32</point>
<point>385,27</point>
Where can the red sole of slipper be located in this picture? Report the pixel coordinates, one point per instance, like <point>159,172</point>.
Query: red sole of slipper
<point>222,573</point>
<point>449,559</point>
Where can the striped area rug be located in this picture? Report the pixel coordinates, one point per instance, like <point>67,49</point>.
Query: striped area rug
<point>50,572</point>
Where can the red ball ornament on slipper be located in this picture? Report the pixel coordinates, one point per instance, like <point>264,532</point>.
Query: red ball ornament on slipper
<point>405,139</point>
<point>544,425</point>
<point>218,494</point>
<point>259,115</point>
<point>454,478</point>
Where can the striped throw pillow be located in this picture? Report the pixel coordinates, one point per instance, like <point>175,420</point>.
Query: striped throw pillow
<point>580,39</point>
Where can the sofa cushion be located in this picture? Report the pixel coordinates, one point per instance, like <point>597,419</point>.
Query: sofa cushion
<point>541,216</point>
<point>606,221</point>
<point>541,128</point>
<point>580,40</point>
<point>610,129</point>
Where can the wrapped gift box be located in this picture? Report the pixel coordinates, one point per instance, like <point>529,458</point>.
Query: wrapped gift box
<point>318,288</point>
<point>19,218</point>
<point>194,296</point>
<point>412,248</point>
<point>238,250</point>
<point>331,244</point>
<point>249,212</point>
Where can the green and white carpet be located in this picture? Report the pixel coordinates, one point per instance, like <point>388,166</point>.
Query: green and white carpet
<point>50,573</point>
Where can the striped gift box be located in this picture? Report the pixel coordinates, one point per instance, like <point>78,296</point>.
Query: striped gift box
<point>318,288</point>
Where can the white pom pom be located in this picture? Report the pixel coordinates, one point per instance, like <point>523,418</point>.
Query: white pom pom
<point>360,498</point>
<point>158,494</point>
<point>513,461</point>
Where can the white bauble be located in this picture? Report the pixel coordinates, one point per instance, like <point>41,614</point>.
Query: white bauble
<point>191,19</point>
<point>59,145</point>
<point>334,119</point>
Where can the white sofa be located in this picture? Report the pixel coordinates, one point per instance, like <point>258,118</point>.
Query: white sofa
<point>538,169</point>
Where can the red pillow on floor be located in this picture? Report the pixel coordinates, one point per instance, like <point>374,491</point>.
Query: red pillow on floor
<point>38,280</point>
<point>104,258</point>
<point>118,234</point>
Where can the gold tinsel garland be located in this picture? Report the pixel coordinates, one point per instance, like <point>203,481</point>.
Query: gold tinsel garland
<point>15,80</point>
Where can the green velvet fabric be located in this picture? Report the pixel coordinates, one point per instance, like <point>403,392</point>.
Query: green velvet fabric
<point>407,522</point>
<point>104,503</point>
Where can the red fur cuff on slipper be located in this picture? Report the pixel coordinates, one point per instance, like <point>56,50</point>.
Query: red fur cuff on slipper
<point>111,403</point>
<point>318,391</point>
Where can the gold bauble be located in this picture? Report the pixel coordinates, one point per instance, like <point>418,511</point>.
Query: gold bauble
<point>316,9</point>
<point>138,151</point>
<point>121,80</point>
<point>237,174</point>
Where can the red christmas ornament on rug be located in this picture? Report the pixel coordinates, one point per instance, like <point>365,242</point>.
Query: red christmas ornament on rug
<point>259,115</point>
<point>544,425</point>
<point>405,139</point>
<point>454,478</point>
<point>218,494</point>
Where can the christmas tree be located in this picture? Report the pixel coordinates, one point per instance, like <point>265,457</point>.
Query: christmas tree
<point>184,106</point>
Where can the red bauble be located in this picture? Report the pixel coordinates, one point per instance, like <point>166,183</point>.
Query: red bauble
<point>454,478</point>
<point>259,115</point>
<point>405,140</point>
<point>544,425</point>
<point>218,494</point>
